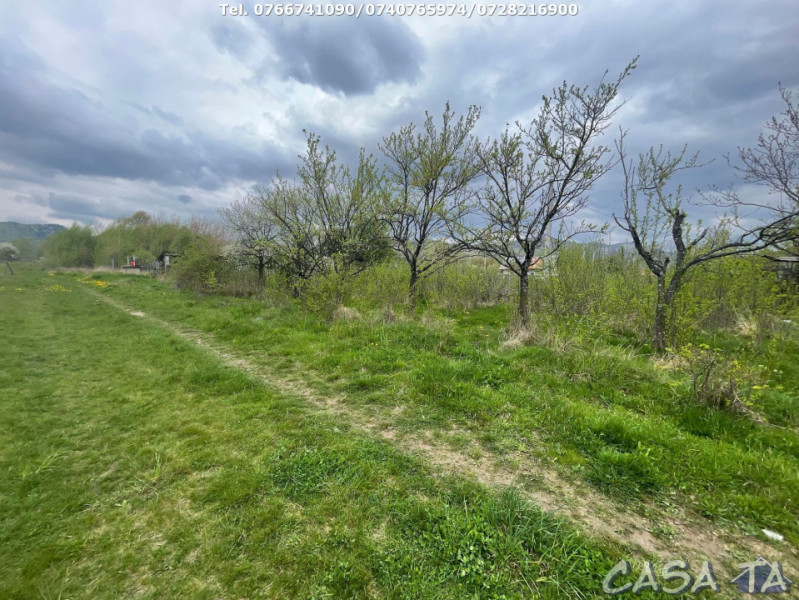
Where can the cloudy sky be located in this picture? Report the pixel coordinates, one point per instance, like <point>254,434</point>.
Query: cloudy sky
<point>111,107</point>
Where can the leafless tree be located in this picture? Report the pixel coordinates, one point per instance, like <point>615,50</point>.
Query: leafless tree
<point>774,163</point>
<point>428,176</point>
<point>670,245</point>
<point>538,177</point>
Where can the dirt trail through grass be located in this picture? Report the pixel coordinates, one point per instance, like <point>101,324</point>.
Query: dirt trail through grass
<point>692,538</point>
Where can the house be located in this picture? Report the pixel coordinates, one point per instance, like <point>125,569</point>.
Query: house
<point>786,267</point>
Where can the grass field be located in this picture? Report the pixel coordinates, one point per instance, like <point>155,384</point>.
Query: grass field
<point>157,444</point>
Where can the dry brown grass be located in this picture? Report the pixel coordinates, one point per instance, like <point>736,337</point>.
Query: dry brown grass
<point>345,313</point>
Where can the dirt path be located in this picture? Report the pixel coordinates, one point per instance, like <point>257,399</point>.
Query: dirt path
<point>690,536</point>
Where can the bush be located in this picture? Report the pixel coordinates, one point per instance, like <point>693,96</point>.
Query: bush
<point>463,285</point>
<point>323,294</point>
<point>73,247</point>
<point>200,268</point>
<point>584,280</point>
<point>467,284</point>
<point>719,381</point>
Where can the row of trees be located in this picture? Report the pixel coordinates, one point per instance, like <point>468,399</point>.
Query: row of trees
<point>515,199</point>
<point>425,205</point>
<point>141,235</point>
<point>442,194</point>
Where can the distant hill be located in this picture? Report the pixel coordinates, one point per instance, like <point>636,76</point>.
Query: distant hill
<point>626,247</point>
<point>14,231</point>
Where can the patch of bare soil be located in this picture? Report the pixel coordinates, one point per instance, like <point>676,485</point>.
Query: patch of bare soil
<point>690,536</point>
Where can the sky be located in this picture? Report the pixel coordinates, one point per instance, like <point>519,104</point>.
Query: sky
<point>175,108</point>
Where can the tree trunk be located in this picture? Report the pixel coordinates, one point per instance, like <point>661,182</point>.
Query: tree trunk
<point>413,289</point>
<point>661,311</point>
<point>524,297</point>
<point>261,266</point>
<point>665,300</point>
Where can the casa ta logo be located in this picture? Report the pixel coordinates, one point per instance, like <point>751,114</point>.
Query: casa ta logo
<point>676,577</point>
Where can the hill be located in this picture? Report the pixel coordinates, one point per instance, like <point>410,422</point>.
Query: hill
<point>37,231</point>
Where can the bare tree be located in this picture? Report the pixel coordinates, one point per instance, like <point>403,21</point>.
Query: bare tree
<point>774,163</point>
<point>670,245</point>
<point>253,230</point>
<point>539,177</point>
<point>428,177</point>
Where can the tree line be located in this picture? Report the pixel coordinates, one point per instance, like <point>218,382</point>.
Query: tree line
<point>438,194</point>
<point>516,198</point>
<point>141,236</point>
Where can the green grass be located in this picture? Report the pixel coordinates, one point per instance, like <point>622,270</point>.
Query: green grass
<point>599,405</point>
<point>133,464</point>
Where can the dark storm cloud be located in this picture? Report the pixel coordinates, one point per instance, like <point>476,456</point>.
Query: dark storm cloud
<point>347,55</point>
<point>70,206</point>
<point>707,77</point>
<point>61,129</point>
<point>700,61</point>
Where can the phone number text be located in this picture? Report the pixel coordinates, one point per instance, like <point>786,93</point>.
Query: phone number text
<point>400,10</point>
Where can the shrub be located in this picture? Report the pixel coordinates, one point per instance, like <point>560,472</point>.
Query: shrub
<point>718,380</point>
<point>73,247</point>
<point>200,268</point>
<point>467,284</point>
